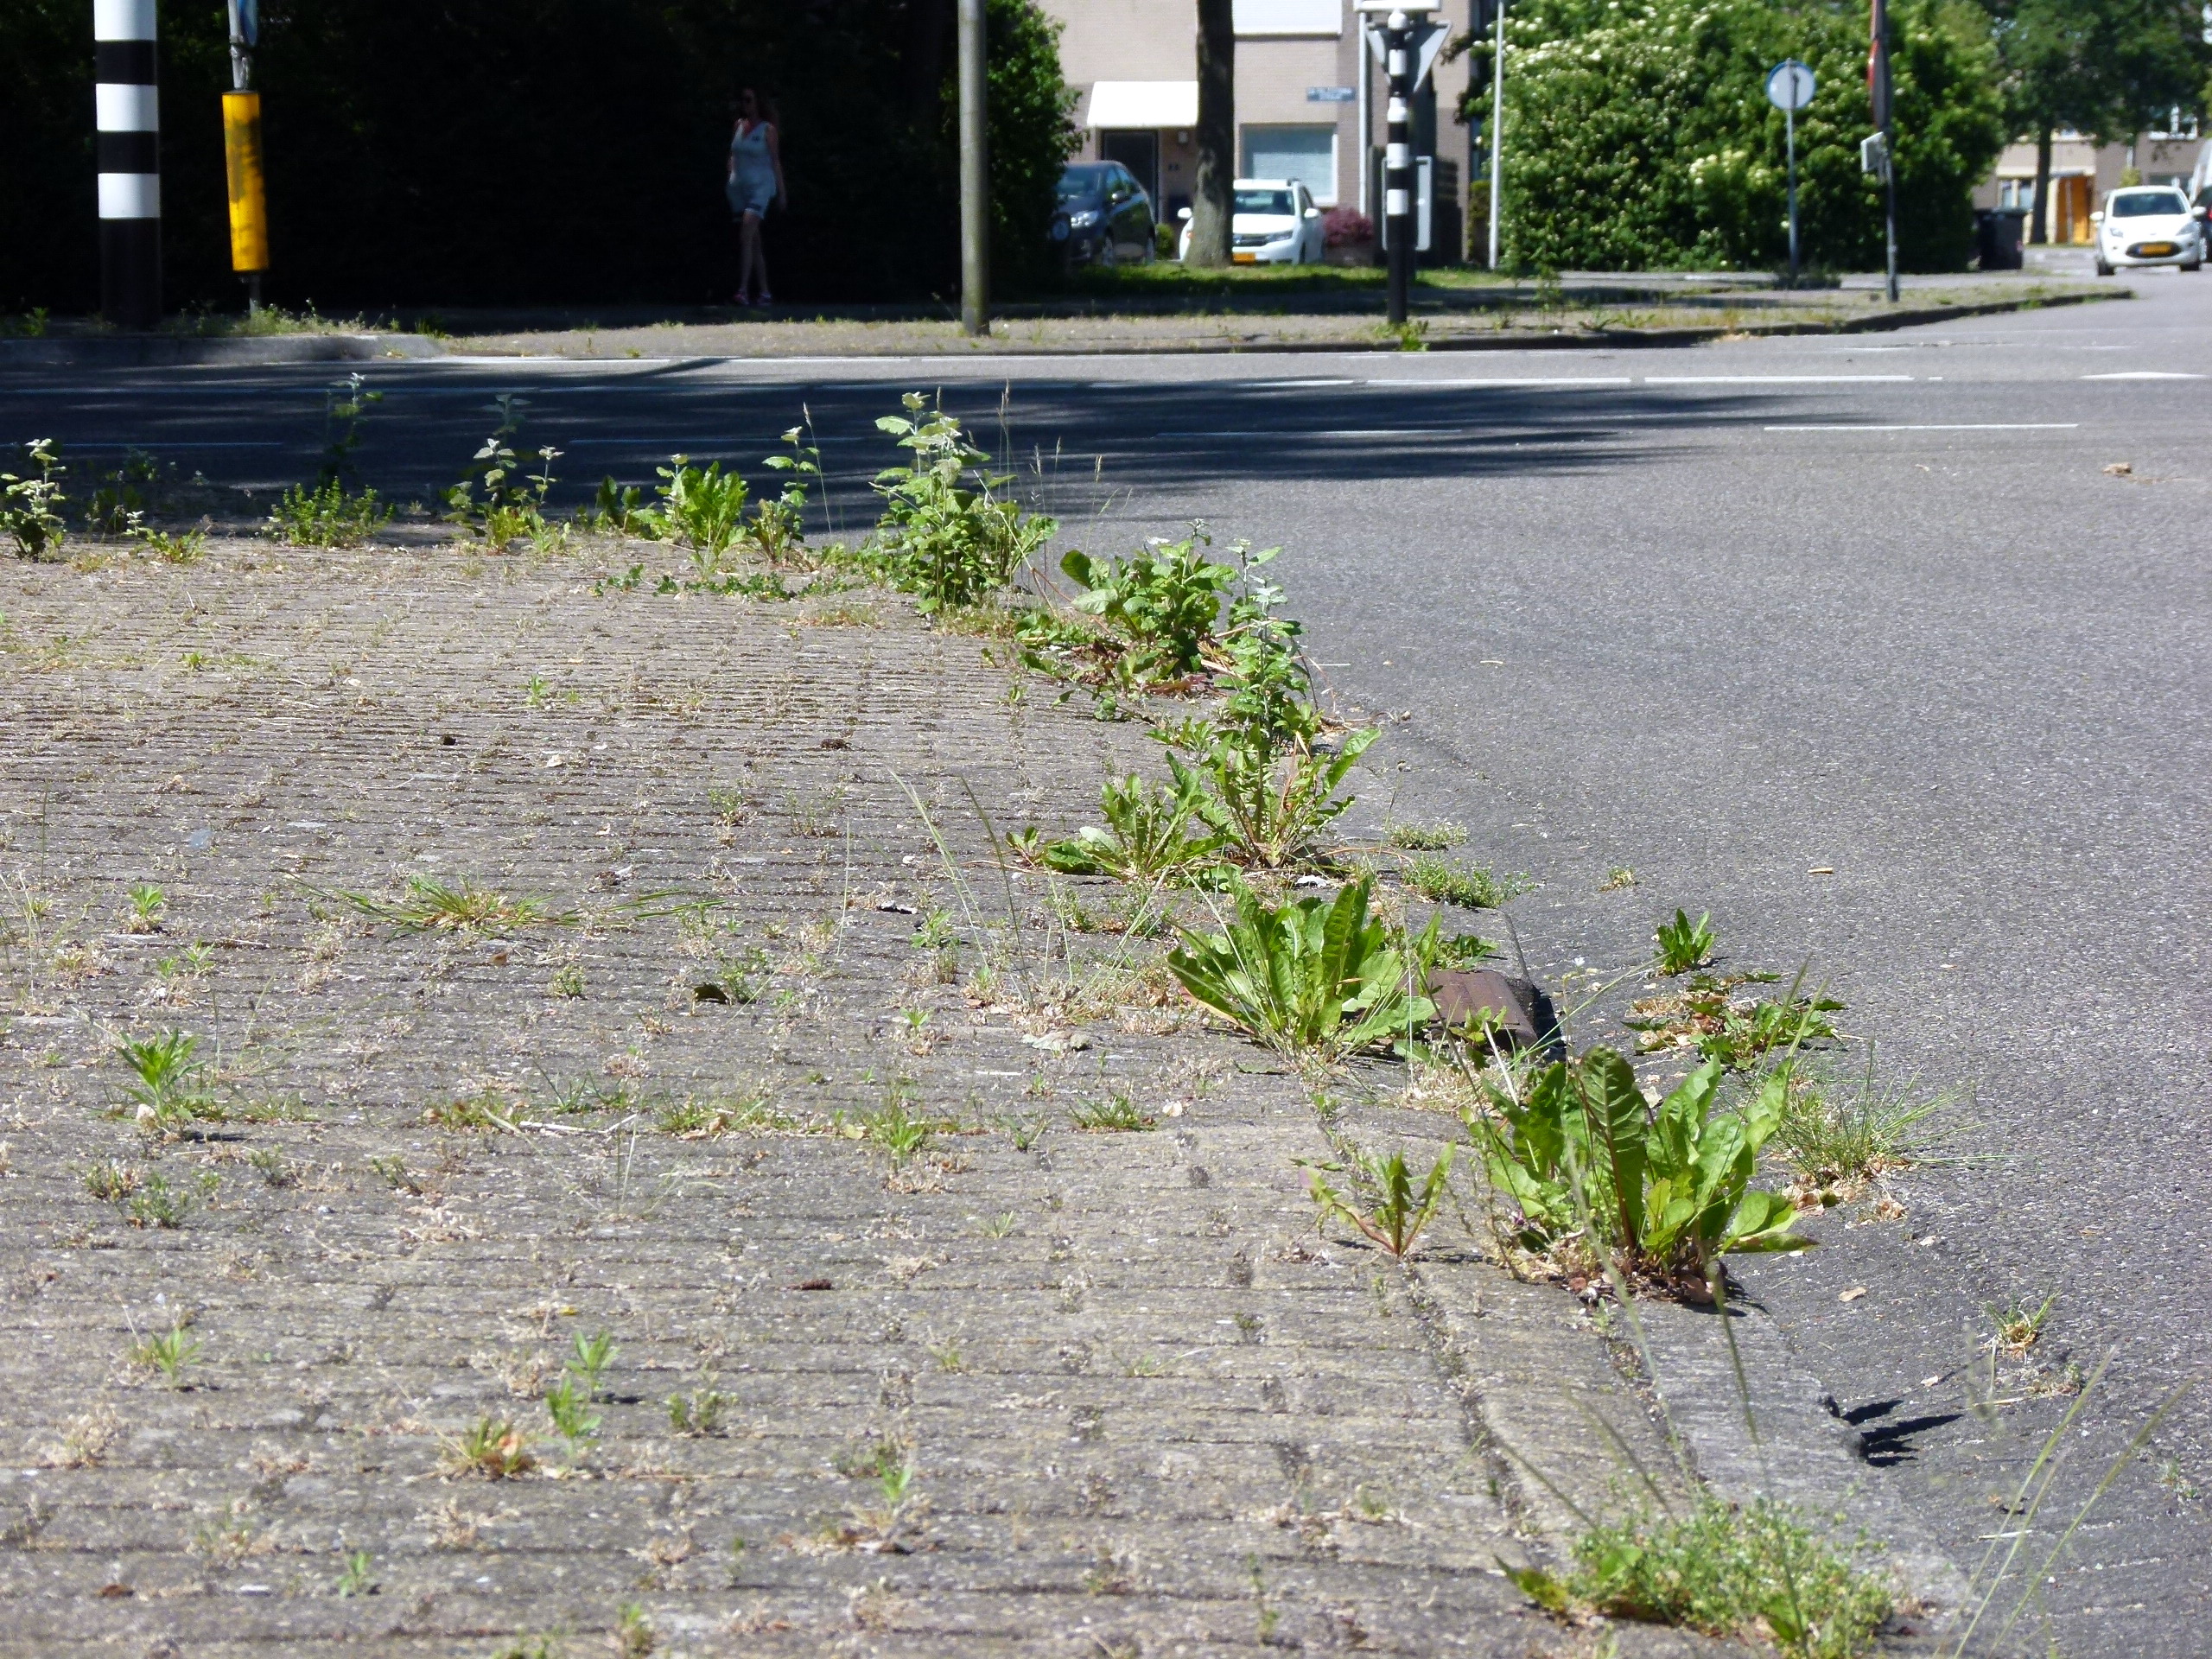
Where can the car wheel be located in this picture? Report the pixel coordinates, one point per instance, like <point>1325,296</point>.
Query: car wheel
<point>2103,269</point>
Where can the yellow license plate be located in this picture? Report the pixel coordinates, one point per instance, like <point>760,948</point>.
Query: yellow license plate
<point>2159,250</point>
<point>1244,259</point>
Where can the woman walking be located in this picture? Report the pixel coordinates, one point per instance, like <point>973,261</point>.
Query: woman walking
<point>756,179</point>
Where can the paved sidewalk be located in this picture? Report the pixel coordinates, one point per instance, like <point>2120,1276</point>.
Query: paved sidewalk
<point>1141,1407</point>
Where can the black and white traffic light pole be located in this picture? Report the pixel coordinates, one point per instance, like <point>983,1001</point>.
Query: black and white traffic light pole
<point>1407,53</point>
<point>128,113</point>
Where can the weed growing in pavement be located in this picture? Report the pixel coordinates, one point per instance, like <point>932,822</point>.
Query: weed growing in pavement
<point>346,404</point>
<point>491,1448</point>
<point>157,1203</point>
<point>1424,837</point>
<point>589,1358</point>
<point>1445,883</point>
<point>567,982</point>
<point>1661,1191</point>
<point>566,1404</point>
<point>170,1092</point>
<point>1384,1204</point>
<point>1311,976</point>
<point>87,1439</point>
<point>1684,945</point>
<point>31,503</point>
<point>893,1129</point>
<point>1167,600</point>
<point>698,1117</point>
<point>1738,1031</point>
<point>358,1576</point>
<point>111,1182</point>
<point>148,905</point>
<point>1619,879</point>
<point>1463,951</point>
<point>1836,1144</point>
<point>1117,1114</point>
<point>392,1169</point>
<point>122,498</point>
<point>699,1413</point>
<point>434,906</point>
<point>269,1163</point>
<point>167,1355</point>
<point>327,515</point>
<point>2017,1325</point>
<point>703,509</point>
<point>1153,834</point>
<point>948,533</point>
<point>496,498</point>
<point>1726,1570</point>
<point>174,547</point>
<point>777,530</point>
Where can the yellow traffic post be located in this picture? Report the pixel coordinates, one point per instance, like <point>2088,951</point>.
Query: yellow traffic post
<point>249,198</point>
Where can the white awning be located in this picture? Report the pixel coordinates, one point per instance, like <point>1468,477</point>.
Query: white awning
<point>1143,104</point>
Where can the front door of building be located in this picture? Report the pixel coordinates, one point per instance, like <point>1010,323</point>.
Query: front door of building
<point>1139,151</point>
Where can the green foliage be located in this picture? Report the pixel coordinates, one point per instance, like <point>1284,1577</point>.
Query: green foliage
<point>1116,1115</point>
<point>894,1129</point>
<point>1738,1031</point>
<point>1314,975</point>
<point>1424,837</point>
<point>1639,135</point>
<point>1665,1190</point>
<point>1168,598</point>
<point>1396,1212</point>
<point>947,532</point>
<point>1838,1139</point>
<point>327,515</point>
<point>170,1091</point>
<point>705,511</point>
<point>1726,1572</point>
<point>1270,802</point>
<point>1470,887</point>
<point>496,497</point>
<point>620,510</point>
<point>777,530</point>
<point>344,404</point>
<point>1684,945</point>
<point>1032,132</point>
<point>168,1353</point>
<point>568,1405</point>
<point>382,96</point>
<point>123,497</point>
<point>31,503</point>
<point>2114,68</point>
<point>1153,833</point>
<point>359,1578</point>
<point>699,1412</point>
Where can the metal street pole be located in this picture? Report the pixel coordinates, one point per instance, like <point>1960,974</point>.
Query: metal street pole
<point>242,166</point>
<point>1398,163</point>
<point>975,177</point>
<point>1789,136</point>
<point>127,111</point>
<point>1497,134</point>
<point>1879,86</point>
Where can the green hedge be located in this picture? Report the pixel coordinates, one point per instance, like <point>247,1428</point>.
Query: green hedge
<point>507,152</point>
<point>1639,135</point>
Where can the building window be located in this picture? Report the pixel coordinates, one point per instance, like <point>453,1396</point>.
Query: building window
<point>1307,153</point>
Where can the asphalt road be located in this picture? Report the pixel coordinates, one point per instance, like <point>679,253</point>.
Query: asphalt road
<point>1733,617</point>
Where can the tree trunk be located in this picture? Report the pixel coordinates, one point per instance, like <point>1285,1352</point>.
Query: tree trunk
<point>2039,221</point>
<point>1213,198</point>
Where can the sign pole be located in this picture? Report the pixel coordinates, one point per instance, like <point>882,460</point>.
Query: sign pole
<point>1790,89</point>
<point>975,177</point>
<point>242,166</point>
<point>1398,164</point>
<point>1790,129</point>
<point>1497,134</point>
<point>128,113</point>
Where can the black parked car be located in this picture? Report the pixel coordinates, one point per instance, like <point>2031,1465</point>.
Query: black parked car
<point>1104,215</point>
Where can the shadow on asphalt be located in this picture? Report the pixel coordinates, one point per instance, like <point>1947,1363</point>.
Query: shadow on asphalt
<point>1061,438</point>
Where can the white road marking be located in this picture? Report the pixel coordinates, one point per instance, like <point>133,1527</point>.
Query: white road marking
<point>1560,380</point>
<point>1764,379</point>
<point>1964,426</point>
<point>2144,374</point>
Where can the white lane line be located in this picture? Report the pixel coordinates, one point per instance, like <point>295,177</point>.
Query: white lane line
<point>1764,379</point>
<point>1560,380</point>
<point>1333,432</point>
<point>2144,374</point>
<point>517,360</point>
<point>1964,426</point>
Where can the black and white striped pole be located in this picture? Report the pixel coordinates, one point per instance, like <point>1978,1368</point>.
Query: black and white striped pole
<point>127,105</point>
<point>1401,41</point>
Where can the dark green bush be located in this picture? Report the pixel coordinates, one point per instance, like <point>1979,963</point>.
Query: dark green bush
<point>1639,134</point>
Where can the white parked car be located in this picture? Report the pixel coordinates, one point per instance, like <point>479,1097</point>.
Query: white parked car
<point>2148,224</point>
<point>1275,224</point>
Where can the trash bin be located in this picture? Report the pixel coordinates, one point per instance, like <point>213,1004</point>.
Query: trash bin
<point>1997,236</point>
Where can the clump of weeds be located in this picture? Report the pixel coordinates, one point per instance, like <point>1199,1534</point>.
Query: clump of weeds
<point>148,906</point>
<point>697,1117</point>
<point>165,1355</point>
<point>1385,1203</point>
<point>1836,1141</point>
<point>1117,1113</point>
<point>2017,1325</point>
<point>433,906</point>
<point>1707,1015</point>
<point>1424,837</point>
<point>1684,945</point>
<point>699,1413</point>
<point>1758,1570</point>
<point>170,1093</point>
<point>1468,886</point>
<point>491,1448</point>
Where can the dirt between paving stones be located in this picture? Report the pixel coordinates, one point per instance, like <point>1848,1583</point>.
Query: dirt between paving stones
<point>1028,1389</point>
